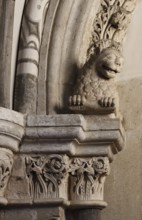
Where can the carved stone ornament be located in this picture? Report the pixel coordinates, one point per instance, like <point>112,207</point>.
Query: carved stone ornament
<point>53,177</point>
<point>6,163</point>
<point>95,90</point>
<point>87,177</point>
<point>45,175</point>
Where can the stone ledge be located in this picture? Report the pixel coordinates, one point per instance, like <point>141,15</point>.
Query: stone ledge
<point>74,135</point>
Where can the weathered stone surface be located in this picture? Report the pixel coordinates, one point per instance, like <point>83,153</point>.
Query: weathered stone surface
<point>33,213</point>
<point>74,135</point>
<point>26,93</point>
<point>12,126</point>
<point>83,214</point>
<point>20,193</point>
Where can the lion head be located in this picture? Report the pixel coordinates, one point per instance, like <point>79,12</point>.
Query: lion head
<point>109,63</point>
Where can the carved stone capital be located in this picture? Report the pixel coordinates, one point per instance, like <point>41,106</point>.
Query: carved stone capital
<point>74,182</point>
<point>47,177</point>
<point>87,177</point>
<point>6,163</point>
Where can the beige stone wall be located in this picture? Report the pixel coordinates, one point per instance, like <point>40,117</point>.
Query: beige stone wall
<point>123,190</point>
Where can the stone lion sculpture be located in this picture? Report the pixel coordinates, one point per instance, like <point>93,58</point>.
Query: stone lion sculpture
<point>95,90</point>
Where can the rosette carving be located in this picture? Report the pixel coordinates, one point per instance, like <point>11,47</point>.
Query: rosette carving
<point>87,178</point>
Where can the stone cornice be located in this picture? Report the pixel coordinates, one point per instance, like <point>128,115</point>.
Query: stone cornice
<point>73,135</point>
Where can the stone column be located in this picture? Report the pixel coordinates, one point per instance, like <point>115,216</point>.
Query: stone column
<point>11,133</point>
<point>28,56</point>
<point>83,214</point>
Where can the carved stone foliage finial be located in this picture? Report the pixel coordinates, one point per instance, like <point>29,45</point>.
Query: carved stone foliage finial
<point>45,175</point>
<point>87,178</point>
<point>6,162</point>
<point>95,90</point>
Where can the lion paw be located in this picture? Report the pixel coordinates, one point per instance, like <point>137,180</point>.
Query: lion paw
<point>77,100</point>
<point>107,102</point>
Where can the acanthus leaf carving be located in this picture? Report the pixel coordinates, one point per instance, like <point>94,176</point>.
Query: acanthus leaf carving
<point>45,175</point>
<point>48,176</point>
<point>87,178</point>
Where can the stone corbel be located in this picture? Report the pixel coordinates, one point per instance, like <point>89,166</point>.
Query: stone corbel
<point>11,133</point>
